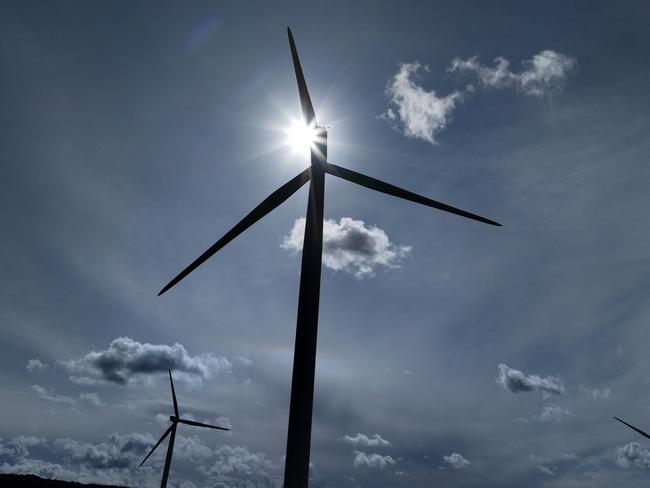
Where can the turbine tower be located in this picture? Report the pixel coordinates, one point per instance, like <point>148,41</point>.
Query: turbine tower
<point>175,420</point>
<point>296,473</point>
<point>633,428</point>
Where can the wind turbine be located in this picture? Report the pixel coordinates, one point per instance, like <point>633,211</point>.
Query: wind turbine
<point>633,428</point>
<point>175,420</point>
<point>296,473</point>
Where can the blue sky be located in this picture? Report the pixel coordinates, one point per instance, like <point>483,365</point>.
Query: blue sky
<point>450,352</point>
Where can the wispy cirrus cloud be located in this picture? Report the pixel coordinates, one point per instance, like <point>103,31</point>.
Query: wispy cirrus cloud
<point>84,397</point>
<point>350,245</point>
<point>543,74</point>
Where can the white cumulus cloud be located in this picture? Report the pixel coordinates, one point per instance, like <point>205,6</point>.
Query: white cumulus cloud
<point>364,440</point>
<point>418,112</point>
<point>632,455</point>
<point>351,245</point>
<point>456,461</point>
<point>372,460</point>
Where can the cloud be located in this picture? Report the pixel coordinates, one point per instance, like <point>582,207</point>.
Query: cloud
<point>456,461</point>
<point>543,74</point>
<point>553,413</point>
<point>350,245</point>
<point>372,460</point>
<point>17,447</point>
<point>595,392</point>
<point>126,359</point>
<point>364,440</point>
<point>420,114</point>
<point>632,455</point>
<point>34,365</point>
<point>115,461</point>
<point>238,460</point>
<point>545,470</point>
<point>91,398</point>
<point>111,462</point>
<point>516,381</point>
<point>51,396</point>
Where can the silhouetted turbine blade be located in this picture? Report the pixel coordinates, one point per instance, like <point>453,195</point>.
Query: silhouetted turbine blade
<point>157,444</point>
<point>375,184</point>
<point>199,424</point>
<point>305,102</point>
<point>633,428</point>
<point>171,382</point>
<point>272,201</point>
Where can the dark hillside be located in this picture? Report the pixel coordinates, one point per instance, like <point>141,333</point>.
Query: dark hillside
<point>32,481</point>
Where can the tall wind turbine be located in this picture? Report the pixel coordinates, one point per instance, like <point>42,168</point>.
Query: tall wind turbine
<point>175,420</point>
<point>296,473</point>
<point>633,428</point>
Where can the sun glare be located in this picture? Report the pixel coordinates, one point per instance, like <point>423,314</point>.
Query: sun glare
<point>301,136</point>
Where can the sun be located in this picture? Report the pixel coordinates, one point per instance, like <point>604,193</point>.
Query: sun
<point>301,136</point>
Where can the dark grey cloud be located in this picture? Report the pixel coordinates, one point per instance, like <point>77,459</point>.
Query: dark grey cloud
<point>351,245</point>
<point>126,359</point>
<point>516,381</point>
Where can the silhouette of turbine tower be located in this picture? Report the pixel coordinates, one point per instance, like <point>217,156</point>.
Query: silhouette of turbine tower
<point>296,473</point>
<point>175,420</point>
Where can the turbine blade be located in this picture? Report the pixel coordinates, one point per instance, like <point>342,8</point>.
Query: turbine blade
<point>168,457</point>
<point>171,382</point>
<point>305,102</point>
<point>157,444</point>
<point>200,424</point>
<point>378,185</point>
<point>272,201</point>
<point>633,428</point>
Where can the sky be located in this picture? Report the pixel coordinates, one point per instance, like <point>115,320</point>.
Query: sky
<point>450,353</point>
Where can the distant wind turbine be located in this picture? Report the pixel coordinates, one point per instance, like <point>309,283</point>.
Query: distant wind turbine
<point>296,473</point>
<point>633,428</point>
<point>175,420</point>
